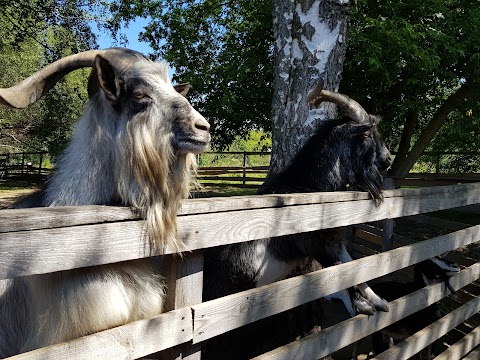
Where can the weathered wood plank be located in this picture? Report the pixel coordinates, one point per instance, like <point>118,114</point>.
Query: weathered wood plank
<point>47,250</point>
<point>61,216</point>
<point>130,341</point>
<point>185,284</point>
<point>388,223</point>
<point>231,178</point>
<point>44,218</point>
<point>347,332</point>
<point>370,237</point>
<point>462,347</point>
<point>400,240</point>
<point>42,251</point>
<point>217,316</point>
<point>474,355</point>
<point>413,344</point>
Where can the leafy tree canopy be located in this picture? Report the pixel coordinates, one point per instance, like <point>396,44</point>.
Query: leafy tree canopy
<point>32,34</point>
<point>223,48</point>
<point>409,56</point>
<point>414,62</point>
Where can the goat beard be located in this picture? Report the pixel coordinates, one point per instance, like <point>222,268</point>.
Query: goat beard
<point>153,180</point>
<point>371,180</point>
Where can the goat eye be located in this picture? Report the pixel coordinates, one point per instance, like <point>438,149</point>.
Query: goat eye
<point>140,95</point>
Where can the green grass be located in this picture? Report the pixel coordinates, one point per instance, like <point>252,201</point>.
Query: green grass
<point>217,191</point>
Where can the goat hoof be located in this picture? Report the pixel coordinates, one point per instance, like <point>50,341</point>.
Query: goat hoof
<point>382,305</point>
<point>362,305</point>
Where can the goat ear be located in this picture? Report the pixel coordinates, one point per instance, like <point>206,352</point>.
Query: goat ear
<point>107,79</point>
<point>182,89</point>
<point>359,129</point>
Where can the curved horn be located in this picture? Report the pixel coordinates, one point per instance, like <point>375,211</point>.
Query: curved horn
<point>352,108</point>
<point>35,86</point>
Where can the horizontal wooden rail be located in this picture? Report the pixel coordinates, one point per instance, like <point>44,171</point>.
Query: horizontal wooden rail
<point>201,224</point>
<point>473,355</point>
<point>233,168</point>
<point>418,341</point>
<point>347,332</point>
<point>54,217</point>
<point>218,316</point>
<point>461,347</point>
<point>155,334</point>
<point>36,241</point>
<point>175,327</point>
<point>230,178</point>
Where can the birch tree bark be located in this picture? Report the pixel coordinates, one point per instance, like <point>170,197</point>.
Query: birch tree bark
<point>310,43</point>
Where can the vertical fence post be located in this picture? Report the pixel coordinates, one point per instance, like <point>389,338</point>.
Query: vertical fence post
<point>244,166</point>
<point>23,163</point>
<point>7,164</point>
<point>389,184</point>
<point>184,285</point>
<point>40,165</point>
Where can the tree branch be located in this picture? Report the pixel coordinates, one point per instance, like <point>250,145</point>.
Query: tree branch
<point>438,119</point>
<point>411,120</point>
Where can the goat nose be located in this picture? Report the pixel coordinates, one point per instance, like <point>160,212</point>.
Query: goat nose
<point>201,124</point>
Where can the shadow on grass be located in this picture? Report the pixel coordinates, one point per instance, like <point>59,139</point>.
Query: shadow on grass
<point>16,184</point>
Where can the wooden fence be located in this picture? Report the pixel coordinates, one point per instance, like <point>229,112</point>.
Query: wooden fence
<point>245,169</point>
<point>247,174</point>
<point>36,241</point>
<point>23,164</point>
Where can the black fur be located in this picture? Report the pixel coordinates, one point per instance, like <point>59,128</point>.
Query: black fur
<point>341,153</point>
<point>357,148</point>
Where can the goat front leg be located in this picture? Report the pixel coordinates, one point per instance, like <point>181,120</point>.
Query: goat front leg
<point>353,301</point>
<point>367,293</point>
<point>363,299</point>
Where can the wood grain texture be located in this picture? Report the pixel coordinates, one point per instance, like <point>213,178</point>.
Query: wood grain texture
<point>185,285</point>
<point>34,241</point>
<point>474,355</point>
<point>388,224</point>
<point>126,342</point>
<point>220,315</point>
<point>47,250</point>
<point>61,216</point>
<point>347,332</point>
<point>415,343</point>
<point>461,347</point>
<point>53,217</point>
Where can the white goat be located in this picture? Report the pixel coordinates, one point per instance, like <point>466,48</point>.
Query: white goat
<point>133,146</point>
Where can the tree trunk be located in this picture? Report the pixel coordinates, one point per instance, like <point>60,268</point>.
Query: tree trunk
<point>411,119</point>
<point>451,103</point>
<point>310,43</point>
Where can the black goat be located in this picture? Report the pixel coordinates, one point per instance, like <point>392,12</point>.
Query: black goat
<point>425,273</point>
<point>344,152</point>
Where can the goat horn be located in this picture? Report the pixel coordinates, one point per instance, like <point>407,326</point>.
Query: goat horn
<point>352,108</point>
<point>35,86</point>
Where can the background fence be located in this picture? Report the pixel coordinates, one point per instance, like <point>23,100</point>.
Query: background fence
<point>24,165</point>
<point>37,241</point>
<point>249,169</point>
